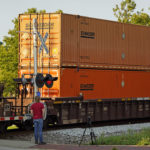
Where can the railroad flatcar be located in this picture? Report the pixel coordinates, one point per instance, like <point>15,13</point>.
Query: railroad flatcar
<point>11,114</point>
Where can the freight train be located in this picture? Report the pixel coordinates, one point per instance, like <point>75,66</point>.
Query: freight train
<point>103,68</point>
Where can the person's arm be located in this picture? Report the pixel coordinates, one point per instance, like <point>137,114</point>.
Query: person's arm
<point>43,112</point>
<point>32,112</point>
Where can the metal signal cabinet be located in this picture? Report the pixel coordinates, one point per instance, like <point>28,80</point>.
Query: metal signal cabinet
<point>97,58</point>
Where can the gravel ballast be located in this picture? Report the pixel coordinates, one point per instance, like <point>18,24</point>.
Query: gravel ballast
<point>74,136</point>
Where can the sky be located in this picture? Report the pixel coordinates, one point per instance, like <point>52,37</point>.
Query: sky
<point>9,9</point>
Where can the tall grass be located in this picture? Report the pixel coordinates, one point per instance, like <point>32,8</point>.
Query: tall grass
<point>130,138</point>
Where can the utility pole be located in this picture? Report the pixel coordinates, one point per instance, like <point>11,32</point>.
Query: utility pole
<point>35,54</point>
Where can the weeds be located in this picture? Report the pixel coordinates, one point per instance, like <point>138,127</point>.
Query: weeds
<point>130,138</point>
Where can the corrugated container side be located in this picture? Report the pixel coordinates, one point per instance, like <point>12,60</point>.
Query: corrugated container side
<point>85,42</point>
<point>69,40</point>
<point>94,84</point>
<point>47,63</point>
<point>95,43</point>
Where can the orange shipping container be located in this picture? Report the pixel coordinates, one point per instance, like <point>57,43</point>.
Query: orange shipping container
<point>98,84</point>
<point>95,84</point>
<point>75,41</point>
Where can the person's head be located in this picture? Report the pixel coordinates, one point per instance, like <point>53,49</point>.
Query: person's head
<point>37,99</point>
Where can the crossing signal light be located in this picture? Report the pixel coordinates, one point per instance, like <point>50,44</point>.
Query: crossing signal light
<point>24,80</point>
<point>47,80</point>
<point>39,80</point>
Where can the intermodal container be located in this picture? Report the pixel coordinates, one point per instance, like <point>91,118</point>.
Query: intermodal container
<point>75,41</point>
<point>97,84</point>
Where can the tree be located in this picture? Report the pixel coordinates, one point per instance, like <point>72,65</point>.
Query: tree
<point>9,59</point>
<point>125,11</point>
<point>8,67</point>
<point>140,18</point>
<point>9,56</point>
<point>59,11</point>
<point>34,10</point>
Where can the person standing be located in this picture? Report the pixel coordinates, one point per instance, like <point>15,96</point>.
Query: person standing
<point>37,111</point>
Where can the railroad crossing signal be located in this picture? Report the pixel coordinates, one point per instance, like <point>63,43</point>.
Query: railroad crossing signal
<point>43,40</point>
<point>47,80</point>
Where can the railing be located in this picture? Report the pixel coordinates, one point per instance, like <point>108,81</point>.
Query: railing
<point>9,107</point>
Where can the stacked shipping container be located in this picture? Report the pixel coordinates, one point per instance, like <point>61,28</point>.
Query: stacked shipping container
<point>98,58</point>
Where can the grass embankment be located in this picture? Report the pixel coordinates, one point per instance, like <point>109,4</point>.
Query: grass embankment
<point>130,138</point>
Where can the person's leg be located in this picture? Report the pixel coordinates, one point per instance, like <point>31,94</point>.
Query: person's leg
<point>36,130</point>
<point>40,130</point>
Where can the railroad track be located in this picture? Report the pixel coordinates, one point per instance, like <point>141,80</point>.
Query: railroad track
<point>27,135</point>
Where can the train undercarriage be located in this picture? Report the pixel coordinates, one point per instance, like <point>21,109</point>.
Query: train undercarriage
<point>71,110</point>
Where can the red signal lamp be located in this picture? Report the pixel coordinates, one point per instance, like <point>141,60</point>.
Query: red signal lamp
<point>49,82</point>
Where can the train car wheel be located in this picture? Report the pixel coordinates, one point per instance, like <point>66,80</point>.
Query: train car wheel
<point>28,125</point>
<point>3,128</point>
<point>45,124</point>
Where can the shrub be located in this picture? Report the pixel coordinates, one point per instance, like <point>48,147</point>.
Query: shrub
<point>144,141</point>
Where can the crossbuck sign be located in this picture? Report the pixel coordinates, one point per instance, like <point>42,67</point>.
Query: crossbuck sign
<point>43,40</point>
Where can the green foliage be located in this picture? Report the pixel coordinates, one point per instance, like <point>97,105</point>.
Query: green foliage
<point>144,141</point>
<point>125,11</point>
<point>9,60</point>
<point>140,19</point>
<point>34,10</point>
<point>8,69</point>
<point>31,11</point>
<point>42,11</point>
<point>59,11</point>
<point>130,138</point>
